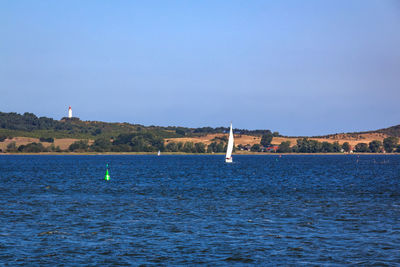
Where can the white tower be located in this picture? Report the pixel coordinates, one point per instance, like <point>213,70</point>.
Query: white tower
<point>70,112</point>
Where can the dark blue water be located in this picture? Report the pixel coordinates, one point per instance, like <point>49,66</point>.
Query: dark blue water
<point>191,210</point>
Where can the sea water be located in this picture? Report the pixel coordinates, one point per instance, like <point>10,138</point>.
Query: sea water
<point>194,210</point>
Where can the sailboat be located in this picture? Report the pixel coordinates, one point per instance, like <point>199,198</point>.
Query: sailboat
<point>228,157</point>
<point>158,153</point>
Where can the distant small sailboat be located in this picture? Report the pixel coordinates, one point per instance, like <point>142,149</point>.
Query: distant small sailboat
<point>228,157</point>
<point>158,153</point>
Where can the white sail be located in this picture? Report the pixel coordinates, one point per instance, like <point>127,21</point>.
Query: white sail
<point>228,157</point>
<point>159,153</point>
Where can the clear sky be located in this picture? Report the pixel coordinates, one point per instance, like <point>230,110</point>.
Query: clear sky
<point>297,67</point>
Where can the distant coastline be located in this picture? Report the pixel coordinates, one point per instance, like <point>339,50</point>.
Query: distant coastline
<point>28,134</point>
<point>190,154</point>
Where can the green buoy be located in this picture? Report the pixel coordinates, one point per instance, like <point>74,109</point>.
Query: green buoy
<point>107,176</point>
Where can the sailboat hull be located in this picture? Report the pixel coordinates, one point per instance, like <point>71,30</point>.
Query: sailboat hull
<point>228,160</point>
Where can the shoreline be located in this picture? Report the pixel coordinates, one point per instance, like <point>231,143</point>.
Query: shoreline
<point>188,154</point>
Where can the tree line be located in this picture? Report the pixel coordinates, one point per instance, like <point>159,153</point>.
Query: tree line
<point>305,145</point>
<point>28,124</point>
<point>147,142</point>
<point>32,148</point>
<point>134,142</point>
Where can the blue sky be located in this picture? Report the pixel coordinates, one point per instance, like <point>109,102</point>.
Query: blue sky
<point>297,67</point>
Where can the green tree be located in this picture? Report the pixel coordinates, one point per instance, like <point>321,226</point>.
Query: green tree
<point>188,147</point>
<point>79,146</point>
<point>336,147</point>
<point>327,147</point>
<point>220,147</point>
<point>346,146</point>
<point>121,148</point>
<point>102,144</point>
<point>200,148</point>
<point>172,147</point>
<point>314,146</point>
<point>256,148</point>
<point>180,132</point>
<point>303,145</point>
<point>141,144</point>
<point>266,139</point>
<point>179,146</point>
<point>123,139</point>
<point>390,143</point>
<point>212,148</point>
<point>284,147</point>
<point>32,148</point>
<point>361,147</point>
<point>375,146</point>
<point>157,142</point>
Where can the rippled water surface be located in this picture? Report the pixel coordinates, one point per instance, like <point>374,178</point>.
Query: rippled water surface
<point>188,210</point>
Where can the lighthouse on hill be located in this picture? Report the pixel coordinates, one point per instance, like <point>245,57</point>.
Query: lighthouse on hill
<point>70,117</point>
<point>70,112</point>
